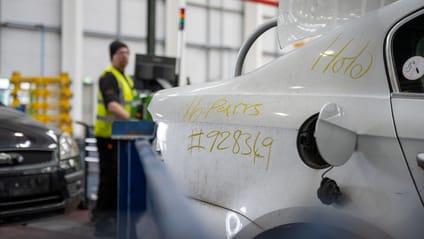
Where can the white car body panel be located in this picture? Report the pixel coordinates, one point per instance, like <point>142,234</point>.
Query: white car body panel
<point>409,122</point>
<point>233,143</point>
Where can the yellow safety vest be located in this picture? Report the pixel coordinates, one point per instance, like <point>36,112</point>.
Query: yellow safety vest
<point>104,120</point>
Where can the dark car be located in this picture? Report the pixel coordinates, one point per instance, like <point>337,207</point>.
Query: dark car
<point>40,170</point>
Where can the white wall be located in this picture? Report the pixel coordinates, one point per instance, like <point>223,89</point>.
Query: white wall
<point>25,47</point>
<point>214,34</point>
<point>215,30</point>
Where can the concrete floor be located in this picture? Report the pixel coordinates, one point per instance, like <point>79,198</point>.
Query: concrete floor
<point>75,225</point>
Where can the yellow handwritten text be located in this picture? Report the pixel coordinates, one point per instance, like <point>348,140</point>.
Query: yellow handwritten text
<point>338,62</point>
<point>237,142</point>
<point>199,109</point>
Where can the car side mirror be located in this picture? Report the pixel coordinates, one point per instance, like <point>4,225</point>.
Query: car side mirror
<point>335,141</point>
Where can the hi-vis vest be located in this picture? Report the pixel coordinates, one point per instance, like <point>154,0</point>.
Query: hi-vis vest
<point>104,120</point>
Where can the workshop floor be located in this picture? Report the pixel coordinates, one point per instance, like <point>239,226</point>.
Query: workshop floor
<point>75,225</point>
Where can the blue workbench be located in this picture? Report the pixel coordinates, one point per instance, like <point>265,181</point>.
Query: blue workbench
<point>131,177</point>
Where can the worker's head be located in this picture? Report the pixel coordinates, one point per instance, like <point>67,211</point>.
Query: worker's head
<point>119,54</point>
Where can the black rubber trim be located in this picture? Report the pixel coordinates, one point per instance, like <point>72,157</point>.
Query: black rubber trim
<point>307,146</point>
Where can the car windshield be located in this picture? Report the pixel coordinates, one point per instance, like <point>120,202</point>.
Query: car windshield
<point>301,21</point>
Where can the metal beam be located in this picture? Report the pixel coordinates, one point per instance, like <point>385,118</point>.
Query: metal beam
<point>208,7</point>
<point>30,26</point>
<point>171,28</point>
<point>151,26</point>
<point>266,2</point>
<point>72,55</point>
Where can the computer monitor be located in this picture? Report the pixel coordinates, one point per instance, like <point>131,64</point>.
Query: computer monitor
<point>154,73</point>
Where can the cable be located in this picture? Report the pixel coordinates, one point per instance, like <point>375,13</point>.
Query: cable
<point>326,171</point>
<point>249,42</point>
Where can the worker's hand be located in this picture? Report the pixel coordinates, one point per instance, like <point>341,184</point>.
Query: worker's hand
<point>118,111</point>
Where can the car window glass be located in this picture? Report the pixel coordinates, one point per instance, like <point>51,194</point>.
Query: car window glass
<point>408,52</point>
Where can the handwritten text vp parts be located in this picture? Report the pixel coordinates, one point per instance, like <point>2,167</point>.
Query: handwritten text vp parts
<point>199,109</point>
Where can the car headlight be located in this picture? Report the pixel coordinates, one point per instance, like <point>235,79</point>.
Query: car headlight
<point>68,148</point>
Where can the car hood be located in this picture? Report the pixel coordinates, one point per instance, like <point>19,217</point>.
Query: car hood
<point>20,131</point>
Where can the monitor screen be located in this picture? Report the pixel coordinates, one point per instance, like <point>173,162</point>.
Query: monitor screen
<point>154,72</point>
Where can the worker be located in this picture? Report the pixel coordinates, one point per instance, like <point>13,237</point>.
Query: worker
<point>115,96</point>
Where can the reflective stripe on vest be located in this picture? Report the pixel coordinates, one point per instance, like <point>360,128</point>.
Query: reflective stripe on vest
<point>104,119</point>
<point>121,102</point>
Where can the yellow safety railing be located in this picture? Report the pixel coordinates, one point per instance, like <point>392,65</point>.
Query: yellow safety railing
<point>49,98</point>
